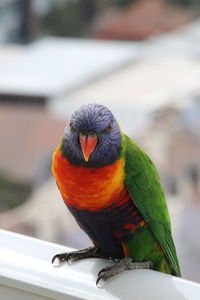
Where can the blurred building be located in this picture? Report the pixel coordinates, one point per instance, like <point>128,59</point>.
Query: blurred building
<point>29,135</point>
<point>174,145</point>
<point>34,76</point>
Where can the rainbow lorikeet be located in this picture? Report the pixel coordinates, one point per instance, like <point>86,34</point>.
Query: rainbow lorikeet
<point>113,190</point>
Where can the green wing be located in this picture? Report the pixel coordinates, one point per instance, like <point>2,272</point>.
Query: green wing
<point>144,186</point>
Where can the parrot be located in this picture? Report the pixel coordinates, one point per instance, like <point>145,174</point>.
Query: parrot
<point>113,190</point>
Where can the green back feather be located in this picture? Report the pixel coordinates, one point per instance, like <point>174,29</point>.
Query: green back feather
<point>144,186</point>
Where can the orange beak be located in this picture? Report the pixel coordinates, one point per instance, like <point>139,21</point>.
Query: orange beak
<point>88,145</point>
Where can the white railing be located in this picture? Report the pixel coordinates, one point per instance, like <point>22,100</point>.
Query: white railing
<point>26,273</point>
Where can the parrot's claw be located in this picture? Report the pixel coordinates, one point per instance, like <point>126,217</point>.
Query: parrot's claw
<point>90,252</point>
<point>126,263</point>
<point>61,257</point>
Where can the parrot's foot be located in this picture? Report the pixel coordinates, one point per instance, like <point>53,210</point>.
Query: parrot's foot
<point>90,252</point>
<point>126,263</point>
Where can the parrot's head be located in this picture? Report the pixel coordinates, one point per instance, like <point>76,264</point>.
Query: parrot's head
<point>92,138</point>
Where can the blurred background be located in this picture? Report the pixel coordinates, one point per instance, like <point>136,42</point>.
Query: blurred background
<point>141,58</point>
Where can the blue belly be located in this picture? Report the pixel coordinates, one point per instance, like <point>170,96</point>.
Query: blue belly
<point>106,228</point>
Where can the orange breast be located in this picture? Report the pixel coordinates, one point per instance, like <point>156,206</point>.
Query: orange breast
<point>88,188</point>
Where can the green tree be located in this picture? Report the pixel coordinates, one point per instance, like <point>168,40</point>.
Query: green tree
<point>122,3</point>
<point>182,2</point>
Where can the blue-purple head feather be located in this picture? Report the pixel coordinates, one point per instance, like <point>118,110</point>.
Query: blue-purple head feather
<point>98,120</point>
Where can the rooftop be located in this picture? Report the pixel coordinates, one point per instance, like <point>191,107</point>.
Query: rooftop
<point>51,66</point>
<point>140,20</point>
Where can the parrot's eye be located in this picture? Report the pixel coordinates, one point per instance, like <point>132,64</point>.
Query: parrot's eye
<point>108,129</point>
